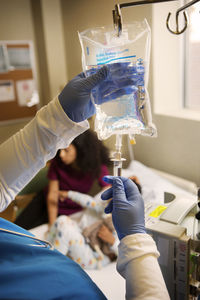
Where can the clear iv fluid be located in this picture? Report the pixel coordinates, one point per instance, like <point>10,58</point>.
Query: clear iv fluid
<point>119,116</point>
<point>124,88</point>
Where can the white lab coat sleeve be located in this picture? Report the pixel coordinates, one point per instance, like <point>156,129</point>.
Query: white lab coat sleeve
<point>137,263</point>
<point>25,153</point>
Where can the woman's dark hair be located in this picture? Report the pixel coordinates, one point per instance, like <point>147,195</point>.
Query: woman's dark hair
<point>91,153</point>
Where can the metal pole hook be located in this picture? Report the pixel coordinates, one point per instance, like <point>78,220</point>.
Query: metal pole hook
<point>117,19</point>
<point>177,24</point>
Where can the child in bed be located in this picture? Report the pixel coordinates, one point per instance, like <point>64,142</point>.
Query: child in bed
<point>90,238</point>
<point>66,234</point>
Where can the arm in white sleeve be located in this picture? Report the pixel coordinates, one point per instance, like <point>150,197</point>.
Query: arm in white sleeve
<point>86,201</point>
<point>137,263</point>
<point>25,153</point>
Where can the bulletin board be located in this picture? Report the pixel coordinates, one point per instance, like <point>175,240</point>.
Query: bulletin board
<point>18,87</point>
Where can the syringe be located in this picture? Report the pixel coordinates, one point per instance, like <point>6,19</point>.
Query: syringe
<point>117,158</point>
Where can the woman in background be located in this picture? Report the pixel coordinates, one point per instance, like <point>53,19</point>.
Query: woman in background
<point>75,168</point>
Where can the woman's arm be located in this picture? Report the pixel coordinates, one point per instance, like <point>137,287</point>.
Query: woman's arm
<point>52,201</point>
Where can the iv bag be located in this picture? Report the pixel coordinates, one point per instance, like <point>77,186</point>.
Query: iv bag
<point>127,56</point>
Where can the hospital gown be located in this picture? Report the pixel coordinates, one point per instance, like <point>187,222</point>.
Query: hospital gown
<point>30,272</point>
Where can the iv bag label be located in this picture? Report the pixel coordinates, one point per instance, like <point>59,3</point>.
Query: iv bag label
<point>106,57</point>
<point>158,211</point>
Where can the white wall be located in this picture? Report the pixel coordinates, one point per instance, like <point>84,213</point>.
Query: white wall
<point>54,41</point>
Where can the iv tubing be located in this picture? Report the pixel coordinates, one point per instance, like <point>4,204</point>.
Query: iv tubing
<point>118,144</point>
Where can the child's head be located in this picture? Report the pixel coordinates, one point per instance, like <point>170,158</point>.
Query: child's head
<point>86,153</point>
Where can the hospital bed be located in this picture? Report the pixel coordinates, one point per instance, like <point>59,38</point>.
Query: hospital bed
<point>160,189</point>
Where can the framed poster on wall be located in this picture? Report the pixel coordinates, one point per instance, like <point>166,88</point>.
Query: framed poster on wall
<point>19,97</point>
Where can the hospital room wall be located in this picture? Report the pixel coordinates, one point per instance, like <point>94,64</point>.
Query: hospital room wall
<point>15,23</point>
<point>38,21</point>
<point>176,150</point>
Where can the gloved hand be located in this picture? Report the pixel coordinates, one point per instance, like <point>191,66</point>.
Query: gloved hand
<point>121,80</point>
<point>75,97</point>
<point>126,206</point>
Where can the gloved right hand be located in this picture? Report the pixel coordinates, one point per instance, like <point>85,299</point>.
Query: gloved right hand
<point>126,206</point>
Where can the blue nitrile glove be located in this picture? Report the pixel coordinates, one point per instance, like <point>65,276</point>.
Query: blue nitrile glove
<point>121,80</point>
<point>126,206</point>
<point>75,97</point>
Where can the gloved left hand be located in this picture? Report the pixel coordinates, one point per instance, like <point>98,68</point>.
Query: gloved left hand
<point>126,206</point>
<point>122,79</point>
<point>75,97</point>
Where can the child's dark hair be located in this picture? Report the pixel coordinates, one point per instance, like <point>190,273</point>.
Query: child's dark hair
<point>91,153</point>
